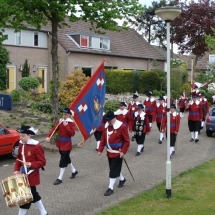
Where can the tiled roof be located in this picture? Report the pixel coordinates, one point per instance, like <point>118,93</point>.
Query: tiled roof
<point>127,43</point>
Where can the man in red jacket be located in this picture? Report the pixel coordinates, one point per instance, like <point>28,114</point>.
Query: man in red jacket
<point>132,107</point>
<point>205,108</point>
<point>116,138</point>
<point>182,103</point>
<point>32,155</point>
<point>160,112</point>
<point>174,127</point>
<point>123,115</point>
<point>150,104</point>
<point>194,118</point>
<point>141,127</point>
<point>66,129</point>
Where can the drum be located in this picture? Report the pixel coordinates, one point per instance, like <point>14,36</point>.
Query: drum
<point>16,190</point>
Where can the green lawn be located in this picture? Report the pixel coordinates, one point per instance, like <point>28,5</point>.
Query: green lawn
<point>193,193</point>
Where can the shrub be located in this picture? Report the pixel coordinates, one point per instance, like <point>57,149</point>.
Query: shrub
<point>157,93</point>
<point>70,88</point>
<point>26,69</point>
<point>149,81</point>
<point>119,81</point>
<point>28,83</point>
<point>111,105</point>
<point>187,88</point>
<point>16,96</point>
<point>209,95</point>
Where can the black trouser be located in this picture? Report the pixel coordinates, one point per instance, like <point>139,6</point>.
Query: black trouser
<point>115,165</point>
<point>194,125</point>
<point>150,118</point>
<point>172,139</point>
<point>98,135</point>
<point>140,139</point>
<point>64,159</point>
<point>182,110</point>
<point>159,126</point>
<point>36,198</point>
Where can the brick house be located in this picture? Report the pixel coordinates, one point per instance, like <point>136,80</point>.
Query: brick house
<point>78,47</point>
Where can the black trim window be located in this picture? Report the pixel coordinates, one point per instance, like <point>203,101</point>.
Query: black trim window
<point>36,37</point>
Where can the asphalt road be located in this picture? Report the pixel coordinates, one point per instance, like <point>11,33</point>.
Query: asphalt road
<point>85,194</point>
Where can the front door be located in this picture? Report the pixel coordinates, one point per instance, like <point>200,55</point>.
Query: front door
<point>11,79</point>
<point>42,75</point>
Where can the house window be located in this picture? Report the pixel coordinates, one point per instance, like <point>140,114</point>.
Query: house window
<point>87,71</point>
<point>18,38</point>
<point>84,41</point>
<point>36,38</point>
<point>104,43</point>
<point>211,58</point>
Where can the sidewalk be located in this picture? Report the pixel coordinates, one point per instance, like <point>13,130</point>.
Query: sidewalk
<point>84,195</point>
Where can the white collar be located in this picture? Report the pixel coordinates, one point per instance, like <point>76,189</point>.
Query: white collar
<point>132,103</point>
<point>30,142</point>
<point>116,125</point>
<point>203,99</point>
<point>67,120</point>
<point>151,99</point>
<point>142,115</point>
<point>123,112</point>
<point>197,102</point>
<point>164,104</point>
<point>174,113</point>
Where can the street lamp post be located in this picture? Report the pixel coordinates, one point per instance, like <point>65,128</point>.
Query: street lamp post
<point>168,14</point>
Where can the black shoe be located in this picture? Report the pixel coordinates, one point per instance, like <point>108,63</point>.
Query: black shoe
<point>160,141</point>
<point>196,140</point>
<point>173,152</point>
<point>108,192</point>
<point>121,183</point>
<point>142,149</point>
<point>191,140</point>
<point>137,154</point>
<point>58,181</point>
<point>74,174</point>
<point>201,127</point>
<point>96,150</point>
<point>132,138</point>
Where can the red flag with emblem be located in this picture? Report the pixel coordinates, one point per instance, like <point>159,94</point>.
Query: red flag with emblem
<point>88,106</point>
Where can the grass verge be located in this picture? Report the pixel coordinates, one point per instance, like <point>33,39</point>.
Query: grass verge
<point>193,193</point>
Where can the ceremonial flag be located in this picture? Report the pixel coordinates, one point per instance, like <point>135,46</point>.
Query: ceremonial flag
<point>88,106</point>
<point>199,85</point>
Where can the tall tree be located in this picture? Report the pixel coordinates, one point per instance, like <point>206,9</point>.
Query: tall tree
<point>101,14</point>
<point>195,20</point>
<point>152,28</point>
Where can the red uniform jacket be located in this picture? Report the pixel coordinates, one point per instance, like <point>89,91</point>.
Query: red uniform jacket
<point>160,111</point>
<point>150,106</point>
<point>64,142</point>
<point>195,111</point>
<point>132,107</point>
<point>174,122</point>
<point>205,105</point>
<point>165,100</point>
<point>102,124</point>
<point>197,92</point>
<point>118,140</point>
<point>35,155</point>
<point>125,117</point>
<point>182,103</point>
<point>143,117</point>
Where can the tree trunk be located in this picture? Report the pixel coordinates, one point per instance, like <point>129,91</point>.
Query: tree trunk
<point>55,70</point>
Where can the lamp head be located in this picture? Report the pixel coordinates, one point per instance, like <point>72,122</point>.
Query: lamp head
<point>168,13</point>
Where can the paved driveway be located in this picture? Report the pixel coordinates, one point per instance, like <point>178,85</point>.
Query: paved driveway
<point>84,194</point>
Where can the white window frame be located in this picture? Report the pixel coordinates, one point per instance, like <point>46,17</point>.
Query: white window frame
<point>211,55</point>
<point>20,38</point>
<point>36,33</point>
